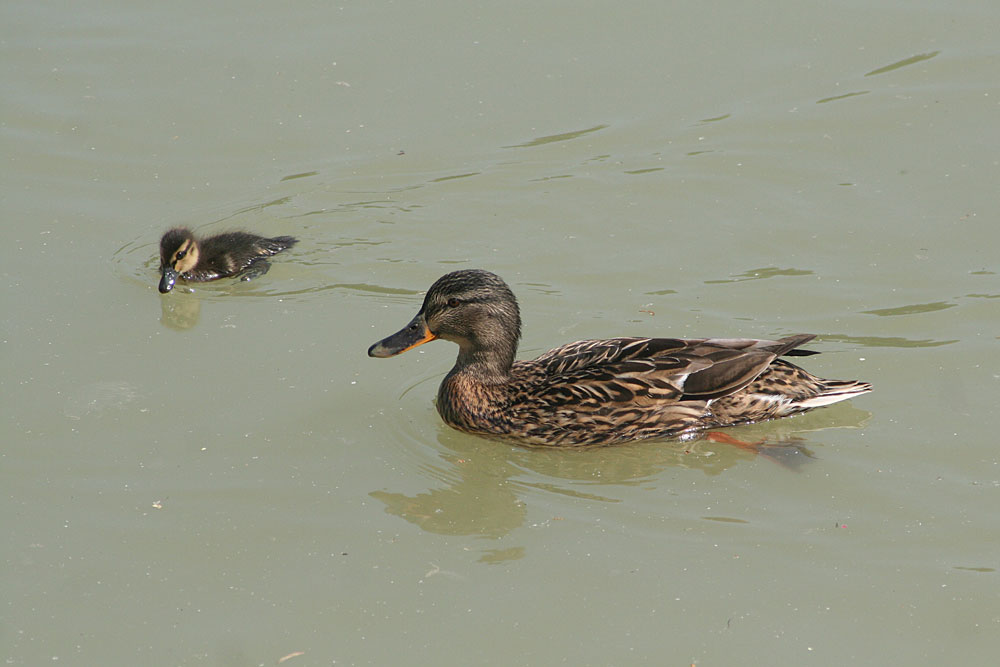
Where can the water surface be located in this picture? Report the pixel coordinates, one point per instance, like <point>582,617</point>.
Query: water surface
<point>221,476</point>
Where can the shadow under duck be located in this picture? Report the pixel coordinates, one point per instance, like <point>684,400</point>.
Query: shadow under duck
<point>598,392</point>
<point>228,254</point>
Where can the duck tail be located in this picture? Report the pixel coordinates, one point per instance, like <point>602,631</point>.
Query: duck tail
<point>834,391</point>
<point>279,243</point>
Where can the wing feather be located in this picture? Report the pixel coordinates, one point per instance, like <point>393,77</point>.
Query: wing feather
<point>630,370</point>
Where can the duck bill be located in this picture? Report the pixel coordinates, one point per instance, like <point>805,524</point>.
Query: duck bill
<point>413,334</point>
<point>168,280</point>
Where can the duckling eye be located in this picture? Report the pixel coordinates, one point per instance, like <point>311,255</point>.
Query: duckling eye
<point>453,302</point>
<point>180,255</point>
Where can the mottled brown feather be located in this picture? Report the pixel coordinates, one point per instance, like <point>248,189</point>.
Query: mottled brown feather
<point>601,391</point>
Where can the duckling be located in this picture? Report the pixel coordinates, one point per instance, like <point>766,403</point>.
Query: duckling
<point>228,254</point>
<point>597,392</point>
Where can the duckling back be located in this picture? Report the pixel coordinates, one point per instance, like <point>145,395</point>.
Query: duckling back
<point>220,256</point>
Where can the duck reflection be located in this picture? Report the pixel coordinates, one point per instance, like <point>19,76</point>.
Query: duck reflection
<point>181,312</point>
<point>487,484</point>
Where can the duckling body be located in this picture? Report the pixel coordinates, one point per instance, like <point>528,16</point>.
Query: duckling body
<point>183,256</point>
<point>597,392</point>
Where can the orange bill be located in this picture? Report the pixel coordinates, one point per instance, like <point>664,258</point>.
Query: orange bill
<point>413,334</point>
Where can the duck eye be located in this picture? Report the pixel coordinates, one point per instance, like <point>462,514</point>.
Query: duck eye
<point>453,302</point>
<point>180,255</point>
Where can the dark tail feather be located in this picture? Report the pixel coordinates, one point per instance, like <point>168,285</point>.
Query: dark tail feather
<point>279,243</point>
<point>800,353</point>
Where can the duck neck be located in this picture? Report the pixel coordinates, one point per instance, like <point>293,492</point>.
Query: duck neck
<point>486,365</point>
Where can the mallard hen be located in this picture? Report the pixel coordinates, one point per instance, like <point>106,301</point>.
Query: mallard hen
<point>597,392</point>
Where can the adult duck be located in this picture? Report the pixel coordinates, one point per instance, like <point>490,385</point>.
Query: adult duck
<point>598,392</point>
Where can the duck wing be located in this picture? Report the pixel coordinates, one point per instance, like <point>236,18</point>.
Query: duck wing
<point>644,371</point>
<point>231,253</point>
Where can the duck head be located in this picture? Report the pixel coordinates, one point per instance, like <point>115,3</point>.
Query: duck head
<point>473,308</point>
<point>178,254</point>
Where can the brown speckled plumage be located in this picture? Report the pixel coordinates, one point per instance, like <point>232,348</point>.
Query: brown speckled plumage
<point>600,391</point>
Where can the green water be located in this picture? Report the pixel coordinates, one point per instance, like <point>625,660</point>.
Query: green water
<point>223,477</point>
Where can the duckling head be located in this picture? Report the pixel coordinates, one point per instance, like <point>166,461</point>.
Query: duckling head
<point>178,254</point>
<point>473,308</point>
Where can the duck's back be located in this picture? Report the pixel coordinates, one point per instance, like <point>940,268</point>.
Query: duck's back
<point>231,252</point>
<point>621,389</point>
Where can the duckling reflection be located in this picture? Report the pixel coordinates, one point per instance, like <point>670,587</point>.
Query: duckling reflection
<point>241,254</point>
<point>180,313</point>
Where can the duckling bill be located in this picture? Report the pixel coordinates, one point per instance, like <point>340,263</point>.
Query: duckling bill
<point>597,392</point>
<point>242,254</point>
